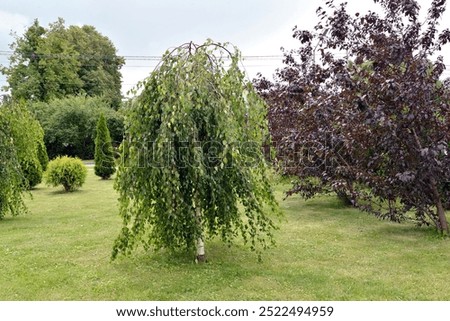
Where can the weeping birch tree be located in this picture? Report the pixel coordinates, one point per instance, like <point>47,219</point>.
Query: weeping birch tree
<point>192,163</point>
<point>12,178</point>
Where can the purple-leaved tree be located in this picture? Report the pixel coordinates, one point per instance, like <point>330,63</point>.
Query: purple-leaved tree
<point>361,109</point>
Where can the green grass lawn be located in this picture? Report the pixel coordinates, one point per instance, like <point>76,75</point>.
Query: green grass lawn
<point>61,251</point>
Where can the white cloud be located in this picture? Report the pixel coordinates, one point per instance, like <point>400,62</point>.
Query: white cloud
<point>12,22</point>
<point>131,76</point>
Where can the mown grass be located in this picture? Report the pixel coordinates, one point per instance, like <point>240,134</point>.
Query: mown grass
<point>61,251</point>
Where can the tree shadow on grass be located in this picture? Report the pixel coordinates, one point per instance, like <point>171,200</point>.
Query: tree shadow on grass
<point>104,181</point>
<point>406,231</point>
<point>36,188</point>
<point>326,202</point>
<point>175,269</point>
<point>61,191</point>
<point>227,268</point>
<point>7,220</point>
<point>330,207</point>
<point>217,254</point>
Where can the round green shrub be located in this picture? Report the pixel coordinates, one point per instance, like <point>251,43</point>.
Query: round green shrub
<point>66,171</point>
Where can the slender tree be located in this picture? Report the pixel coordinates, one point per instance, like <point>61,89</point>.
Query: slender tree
<point>104,154</point>
<point>192,163</point>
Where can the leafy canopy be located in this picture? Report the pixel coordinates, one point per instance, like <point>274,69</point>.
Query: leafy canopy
<point>365,111</point>
<point>59,61</point>
<point>192,164</point>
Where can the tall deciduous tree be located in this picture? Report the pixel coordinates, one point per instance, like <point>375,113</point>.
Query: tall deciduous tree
<point>59,61</point>
<point>192,163</point>
<point>104,154</point>
<point>99,64</point>
<point>24,75</point>
<point>371,113</point>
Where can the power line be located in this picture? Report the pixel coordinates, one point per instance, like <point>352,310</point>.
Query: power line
<point>245,58</point>
<point>137,58</point>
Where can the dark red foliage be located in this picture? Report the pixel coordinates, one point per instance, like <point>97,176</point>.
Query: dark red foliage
<point>361,109</point>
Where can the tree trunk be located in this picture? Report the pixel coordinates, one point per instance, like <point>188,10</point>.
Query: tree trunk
<point>347,197</point>
<point>442,219</point>
<point>443,224</point>
<point>392,212</point>
<point>344,198</point>
<point>200,257</point>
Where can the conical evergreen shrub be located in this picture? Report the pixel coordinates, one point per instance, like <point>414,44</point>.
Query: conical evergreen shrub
<point>104,155</point>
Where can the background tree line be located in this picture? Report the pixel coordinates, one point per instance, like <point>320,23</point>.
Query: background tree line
<point>70,124</point>
<point>67,77</point>
<point>59,61</point>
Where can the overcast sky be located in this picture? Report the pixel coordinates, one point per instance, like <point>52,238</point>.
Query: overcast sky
<point>149,27</point>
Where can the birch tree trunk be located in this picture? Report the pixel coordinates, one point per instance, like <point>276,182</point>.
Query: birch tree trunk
<point>200,243</point>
